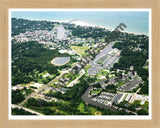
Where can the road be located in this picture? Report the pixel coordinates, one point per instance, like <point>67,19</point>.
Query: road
<point>40,90</point>
<point>26,109</point>
<point>76,80</point>
<point>43,87</point>
<point>61,35</point>
<point>89,100</point>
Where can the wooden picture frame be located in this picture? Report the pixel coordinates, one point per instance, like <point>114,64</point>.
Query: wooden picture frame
<point>4,39</point>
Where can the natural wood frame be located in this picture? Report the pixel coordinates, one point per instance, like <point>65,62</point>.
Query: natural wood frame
<point>6,4</point>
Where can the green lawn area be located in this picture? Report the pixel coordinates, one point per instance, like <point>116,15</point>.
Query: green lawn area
<point>40,77</point>
<point>98,79</point>
<point>125,96</point>
<point>146,105</point>
<point>92,110</point>
<point>103,72</point>
<point>87,67</point>
<point>26,91</point>
<point>81,107</point>
<point>43,73</point>
<point>137,102</point>
<point>100,61</point>
<point>68,75</point>
<point>95,91</point>
<point>102,40</point>
<point>46,91</point>
<point>86,109</point>
<point>73,78</point>
<point>120,84</point>
<point>80,49</point>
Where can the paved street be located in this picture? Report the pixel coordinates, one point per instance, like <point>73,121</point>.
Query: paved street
<point>26,109</point>
<point>76,80</point>
<point>43,87</point>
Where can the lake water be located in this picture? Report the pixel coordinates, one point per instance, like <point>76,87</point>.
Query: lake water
<point>136,21</point>
<point>60,60</point>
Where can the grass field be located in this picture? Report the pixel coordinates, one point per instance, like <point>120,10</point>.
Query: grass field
<point>93,110</point>
<point>80,49</point>
<point>86,109</point>
<point>120,84</point>
<point>81,107</point>
<point>103,72</point>
<point>46,91</point>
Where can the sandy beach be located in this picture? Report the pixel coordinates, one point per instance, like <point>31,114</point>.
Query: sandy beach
<point>81,23</point>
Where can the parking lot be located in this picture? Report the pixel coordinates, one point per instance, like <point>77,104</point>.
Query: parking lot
<point>129,86</point>
<point>103,60</point>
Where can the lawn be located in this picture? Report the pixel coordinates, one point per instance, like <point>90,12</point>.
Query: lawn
<point>146,105</point>
<point>46,91</point>
<point>95,91</point>
<point>103,72</point>
<point>137,102</point>
<point>80,49</point>
<point>81,107</point>
<point>125,96</point>
<point>92,110</point>
<point>86,109</point>
<point>120,84</point>
<point>102,60</point>
<point>87,67</point>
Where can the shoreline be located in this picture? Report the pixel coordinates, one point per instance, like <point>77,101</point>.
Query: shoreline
<point>82,23</point>
<point>85,24</point>
<point>52,62</point>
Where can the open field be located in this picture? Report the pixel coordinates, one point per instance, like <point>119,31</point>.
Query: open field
<point>120,84</point>
<point>92,110</point>
<point>81,107</point>
<point>80,49</point>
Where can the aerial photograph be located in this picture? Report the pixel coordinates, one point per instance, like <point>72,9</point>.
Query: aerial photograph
<point>79,62</point>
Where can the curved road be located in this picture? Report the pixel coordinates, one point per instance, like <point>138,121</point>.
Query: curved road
<point>89,100</point>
